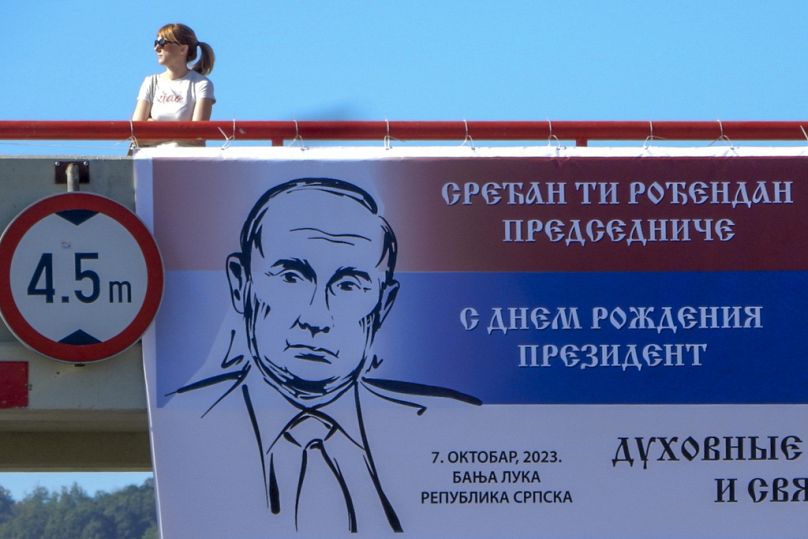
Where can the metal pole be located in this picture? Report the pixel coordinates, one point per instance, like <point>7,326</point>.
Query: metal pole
<point>72,174</point>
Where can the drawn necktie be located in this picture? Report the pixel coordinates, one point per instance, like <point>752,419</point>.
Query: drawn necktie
<point>320,476</point>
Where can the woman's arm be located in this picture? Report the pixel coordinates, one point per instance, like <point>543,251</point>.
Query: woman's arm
<point>142,111</point>
<point>202,110</point>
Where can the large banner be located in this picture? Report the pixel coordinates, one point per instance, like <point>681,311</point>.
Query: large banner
<point>479,343</point>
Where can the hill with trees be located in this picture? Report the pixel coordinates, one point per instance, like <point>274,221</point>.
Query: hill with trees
<point>128,513</point>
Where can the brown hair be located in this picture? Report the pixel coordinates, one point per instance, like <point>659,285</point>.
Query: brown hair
<point>183,35</point>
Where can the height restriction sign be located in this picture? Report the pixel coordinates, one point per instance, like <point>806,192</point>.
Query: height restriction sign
<point>81,277</point>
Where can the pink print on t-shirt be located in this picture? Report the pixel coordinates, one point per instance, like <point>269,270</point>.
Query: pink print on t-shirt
<point>169,98</point>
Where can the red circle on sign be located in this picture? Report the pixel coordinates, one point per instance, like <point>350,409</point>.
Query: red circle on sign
<point>82,353</point>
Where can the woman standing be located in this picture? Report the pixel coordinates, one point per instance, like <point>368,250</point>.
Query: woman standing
<point>180,92</point>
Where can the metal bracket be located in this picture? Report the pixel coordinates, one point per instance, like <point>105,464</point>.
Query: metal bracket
<point>60,171</point>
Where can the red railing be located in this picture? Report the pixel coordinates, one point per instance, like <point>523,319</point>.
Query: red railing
<point>279,131</point>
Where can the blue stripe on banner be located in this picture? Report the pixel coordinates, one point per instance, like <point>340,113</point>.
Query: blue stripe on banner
<point>748,328</point>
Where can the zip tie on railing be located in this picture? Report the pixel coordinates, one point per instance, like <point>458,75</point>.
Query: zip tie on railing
<point>650,136</point>
<point>228,139</point>
<point>552,138</point>
<point>468,140</point>
<point>387,136</point>
<point>723,137</point>
<point>804,134</point>
<point>298,138</point>
<point>133,144</point>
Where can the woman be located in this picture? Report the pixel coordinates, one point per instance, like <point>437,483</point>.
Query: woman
<point>180,92</point>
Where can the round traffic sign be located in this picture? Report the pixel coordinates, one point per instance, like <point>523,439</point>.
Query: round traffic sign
<point>81,277</point>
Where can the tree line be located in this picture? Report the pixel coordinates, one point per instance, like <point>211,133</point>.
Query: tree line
<point>71,513</point>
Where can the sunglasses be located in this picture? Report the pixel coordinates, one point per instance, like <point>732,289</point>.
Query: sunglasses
<point>163,41</point>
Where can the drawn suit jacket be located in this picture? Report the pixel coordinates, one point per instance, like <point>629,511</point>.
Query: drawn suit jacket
<point>220,456</point>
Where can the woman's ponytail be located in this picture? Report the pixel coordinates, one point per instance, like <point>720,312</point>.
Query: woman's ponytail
<point>204,65</point>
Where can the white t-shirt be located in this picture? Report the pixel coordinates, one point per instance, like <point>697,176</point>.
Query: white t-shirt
<point>175,99</point>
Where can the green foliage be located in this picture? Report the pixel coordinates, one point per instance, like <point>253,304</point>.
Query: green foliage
<point>6,505</point>
<point>128,513</point>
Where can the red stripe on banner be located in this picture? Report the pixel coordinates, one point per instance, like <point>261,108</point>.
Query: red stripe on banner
<point>13,384</point>
<point>751,225</point>
<point>483,214</point>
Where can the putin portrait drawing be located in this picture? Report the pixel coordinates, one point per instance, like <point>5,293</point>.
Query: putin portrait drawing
<point>313,282</point>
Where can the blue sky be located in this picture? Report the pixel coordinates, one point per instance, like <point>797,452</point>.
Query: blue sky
<point>424,59</point>
<point>408,60</point>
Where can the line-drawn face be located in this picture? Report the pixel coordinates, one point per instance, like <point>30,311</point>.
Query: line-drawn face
<point>316,289</point>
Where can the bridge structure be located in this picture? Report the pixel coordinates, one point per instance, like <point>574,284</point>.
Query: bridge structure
<point>60,416</point>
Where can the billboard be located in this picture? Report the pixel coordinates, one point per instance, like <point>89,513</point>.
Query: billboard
<point>456,342</point>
